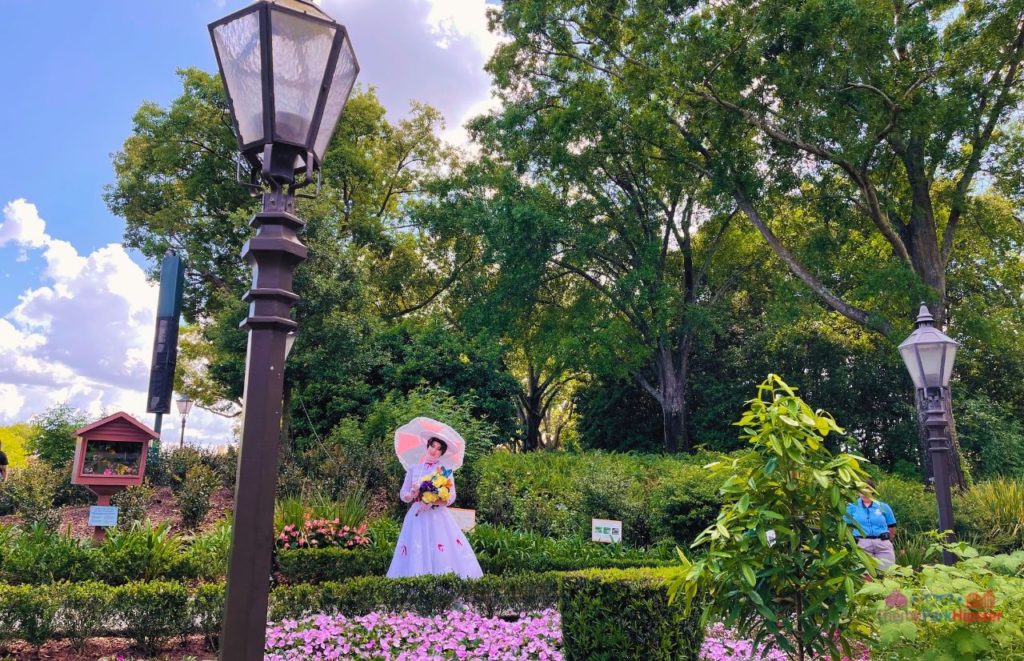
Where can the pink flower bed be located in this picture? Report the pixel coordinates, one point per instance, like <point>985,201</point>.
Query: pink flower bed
<point>407,636</point>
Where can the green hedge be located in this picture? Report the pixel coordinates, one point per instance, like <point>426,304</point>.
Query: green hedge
<point>151,613</point>
<point>499,552</point>
<point>624,614</point>
<point>427,595</point>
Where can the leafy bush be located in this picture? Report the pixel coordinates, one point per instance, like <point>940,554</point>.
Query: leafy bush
<point>208,553</point>
<point>132,505</point>
<point>320,534</point>
<point>143,552</point>
<point>625,614</point>
<point>686,505</point>
<point>193,495</point>
<point>53,435</point>
<point>993,512</point>
<point>331,564</point>
<point>794,592</point>
<point>27,612</point>
<point>949,612</point>
<point>152,612</point>
<point>991,437</point>
<point>84,610</point>
<point>40,555</point>
<point>207,611</point>
<point>32,490</point>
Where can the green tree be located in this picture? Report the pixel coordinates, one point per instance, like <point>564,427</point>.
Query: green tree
<point>53,435</point>
<point>792,589</point>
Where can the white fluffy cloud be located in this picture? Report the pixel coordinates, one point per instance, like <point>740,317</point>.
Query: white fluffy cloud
<point>84,336</point>
<point>431,51</point>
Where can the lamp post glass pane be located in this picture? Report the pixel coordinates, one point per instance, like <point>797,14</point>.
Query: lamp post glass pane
<point>341,85</point>
<point>238,47</point>
<point>300,48</point>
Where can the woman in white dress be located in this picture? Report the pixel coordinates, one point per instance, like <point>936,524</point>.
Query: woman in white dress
<point>431,542</point>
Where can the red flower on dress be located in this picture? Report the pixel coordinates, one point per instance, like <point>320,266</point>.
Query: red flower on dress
<point>440,547</point>
<point>405,551</point>
<point>458,540</point>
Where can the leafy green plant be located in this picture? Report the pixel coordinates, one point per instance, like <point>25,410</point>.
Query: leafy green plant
<point>151,612</point>
<point>27,612</point>
<point>794,591</point>
<point>143,552</point>
<point>84,610</point>
<point>39,555</point>
<point>132,504</point>
<point>971,610</point>
<point>625,614</point>
<point>33,490</point>
<point>993,511</point>
<point>290,511</point>
<point>209,552</point>
<point>193,495</point>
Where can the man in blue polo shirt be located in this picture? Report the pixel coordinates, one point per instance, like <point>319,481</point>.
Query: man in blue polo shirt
<point>879,524</point>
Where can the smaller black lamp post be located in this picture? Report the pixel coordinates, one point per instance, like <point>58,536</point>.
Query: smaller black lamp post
<point>184,408</point>
<point>929,354</point>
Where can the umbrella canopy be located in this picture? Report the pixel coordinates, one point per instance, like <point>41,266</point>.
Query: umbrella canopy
<point>411,442</point>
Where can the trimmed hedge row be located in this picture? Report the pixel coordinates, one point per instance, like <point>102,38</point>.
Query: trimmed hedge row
<point>624,614</point>
<point>605,613</point>
<point>338,564</point>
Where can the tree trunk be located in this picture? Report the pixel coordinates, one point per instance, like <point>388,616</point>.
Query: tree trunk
<point>531,410</point>
<point>671,394</point>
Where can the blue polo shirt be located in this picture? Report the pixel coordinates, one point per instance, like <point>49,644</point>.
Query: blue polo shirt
<point>875,519</point>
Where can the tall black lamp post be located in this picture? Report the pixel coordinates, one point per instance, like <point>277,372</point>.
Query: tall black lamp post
<point>184,408</point>
<point>288,69</point>
<point>929,354</point>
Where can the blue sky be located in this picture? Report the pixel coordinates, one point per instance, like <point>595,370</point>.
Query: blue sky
<point>76,74</point>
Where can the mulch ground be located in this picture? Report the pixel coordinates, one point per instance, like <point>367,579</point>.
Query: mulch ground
<point>161,508</point>
<point>119,649</point>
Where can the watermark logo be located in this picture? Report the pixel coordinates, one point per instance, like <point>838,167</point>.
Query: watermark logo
<point>940,607</point>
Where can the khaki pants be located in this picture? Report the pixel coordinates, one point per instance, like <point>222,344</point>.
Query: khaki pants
<point>879,549</point>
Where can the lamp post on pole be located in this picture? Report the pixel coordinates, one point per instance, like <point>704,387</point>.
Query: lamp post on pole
<point>288,69</point>
<point>184,408</point>
<point>929,355</point>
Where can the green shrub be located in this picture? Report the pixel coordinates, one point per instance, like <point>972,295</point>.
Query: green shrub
<point>208,552</point>
<point>427,595</point>
<point>993,512</point>
<point>207,611</point>
<point>976,584</point>
<point>84,610</point>
<point>914,508</point>
<point>152,612</point>
<point>38,555</point>
<point>144,552</point>
<point>33,490</point>
<point>331,564</point>
<point>686,504</point>
<point>27,612</point>
<point>624,614</point>
<point>193,495</point>
<point>132,505</point>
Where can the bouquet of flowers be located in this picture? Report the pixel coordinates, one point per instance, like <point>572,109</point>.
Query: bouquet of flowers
<point>436,488</point>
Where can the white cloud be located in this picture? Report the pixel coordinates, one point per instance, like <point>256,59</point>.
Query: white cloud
<point>432,51</point>
<point>84,336</point>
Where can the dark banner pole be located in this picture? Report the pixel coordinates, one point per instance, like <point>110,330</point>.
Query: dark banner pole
<point>165,339</point>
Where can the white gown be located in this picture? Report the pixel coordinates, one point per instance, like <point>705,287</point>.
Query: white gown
<point>431,542</point>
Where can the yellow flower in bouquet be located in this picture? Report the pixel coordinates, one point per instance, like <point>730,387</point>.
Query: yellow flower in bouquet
<point>429,497</point>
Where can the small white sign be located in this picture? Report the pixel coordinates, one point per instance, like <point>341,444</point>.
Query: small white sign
<point>606,530</point>
<point>465,518</point>
<point>103,516</point>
